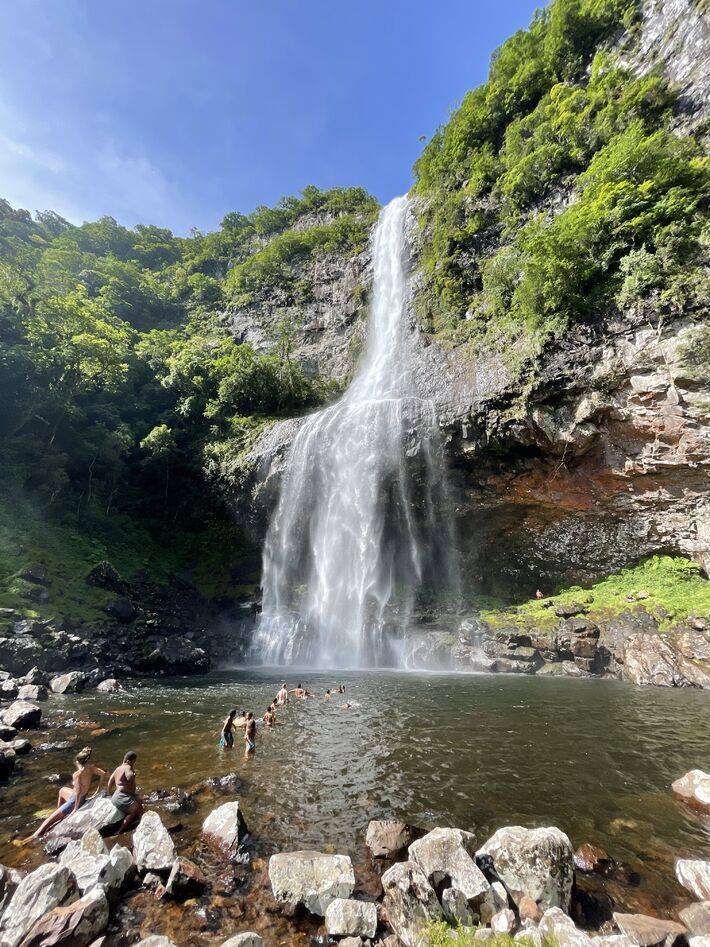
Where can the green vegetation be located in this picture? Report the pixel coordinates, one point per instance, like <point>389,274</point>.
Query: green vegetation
<point>557,191</point>
<point>670,587</point>
<point>123,391</point>
<point>439,934</point>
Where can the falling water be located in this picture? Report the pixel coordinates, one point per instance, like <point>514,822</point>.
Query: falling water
<point>360,529</point>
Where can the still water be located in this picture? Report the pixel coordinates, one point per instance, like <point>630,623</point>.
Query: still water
<point>595,758</point>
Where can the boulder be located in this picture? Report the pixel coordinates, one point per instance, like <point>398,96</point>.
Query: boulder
<point>153,849</point>
<point>7,733</point>
<point>345,917</point>
<point>99,813</point>
<point>696,918</point>
<point>591,858</point>
<point>694,874</point>
<point>70,683</point>
<point>34,676</point>
<point>247,939</point>
<point>35,573</point>
<point>104,576</point>
<point>312,879</point>
<point>446,856</point>
<point>7,762</point>
<point>538,863</point>
<point>186,880</point>
<point>22,715</point>
<point>569,609</point>
<point>108,686</point>
<point>94,866</point>
<point>20,746</point>
<point>557,928</point>
<point>694,789</point>
<point>456,909</point>
<point>78,923</point>
<point>122,609</point>
<point>33,692</point>
<point>410,902</point>
<point>647,931</point>
<point>503,922</point>
<point>225,826</point>
<point>155,940</point>
<point>177,655</point>
<point>9,689</point>
<point>387,838</point>
<point>9,880</point>
<point>46,888</point>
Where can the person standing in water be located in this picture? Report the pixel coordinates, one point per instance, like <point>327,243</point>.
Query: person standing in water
<point>227,736</point>
<point>282,696</point>
<point>269,717</point>
<point>126,798</point>
<point>250,734</point>
<point>71,799</point>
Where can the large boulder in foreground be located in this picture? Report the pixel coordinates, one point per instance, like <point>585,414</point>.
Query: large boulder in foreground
<point>153,849</point>
<point>447,856</point>
<point>48,887</point>
<point>538,863</point>
<point>94,866</point>
<point>410,902</point>
<point>345,917</point>
<point>22,715</point>
<point>312,879</point>
<point>77,924</point>
<point>387,838</point>
<point>694,875</point>
<point>99,813</point>
<point>225,827</point>
<point>694,789</point>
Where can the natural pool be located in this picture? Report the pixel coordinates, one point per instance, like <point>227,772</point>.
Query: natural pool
<point>595,758</point>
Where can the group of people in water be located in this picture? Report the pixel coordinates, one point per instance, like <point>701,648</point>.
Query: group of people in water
<point>121,784</point>
<point>246,719</point>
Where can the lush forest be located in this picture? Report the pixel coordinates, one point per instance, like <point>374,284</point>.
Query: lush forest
<point>122,387</point>
<point>560,191</point>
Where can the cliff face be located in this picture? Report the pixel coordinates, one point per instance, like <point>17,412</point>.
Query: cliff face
<point>602,458</point>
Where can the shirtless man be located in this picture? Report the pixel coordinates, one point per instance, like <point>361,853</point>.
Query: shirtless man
<point>126,798</point>
<point>269,717</point>
<point>282,695</point>
<point>327,694</point>
<point>250,734</point>
<point>71,798</point>
<point>227,736</point>
<point>298,692</point>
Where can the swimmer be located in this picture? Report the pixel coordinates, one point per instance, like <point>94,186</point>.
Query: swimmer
<point>226,738</point>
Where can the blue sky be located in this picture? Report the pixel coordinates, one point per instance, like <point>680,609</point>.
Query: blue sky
<point>174,112</point>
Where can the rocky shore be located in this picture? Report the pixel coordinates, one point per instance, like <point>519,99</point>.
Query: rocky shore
<point>440,887</point>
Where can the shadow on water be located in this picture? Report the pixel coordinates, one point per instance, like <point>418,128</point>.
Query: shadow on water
<point>595,758</point>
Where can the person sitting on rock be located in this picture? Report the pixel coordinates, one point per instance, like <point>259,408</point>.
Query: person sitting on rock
<point>126,798</point>
<point>227,736</point>
<point>73,797</point>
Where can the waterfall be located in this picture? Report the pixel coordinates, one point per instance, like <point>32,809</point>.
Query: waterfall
<point>361,526</point>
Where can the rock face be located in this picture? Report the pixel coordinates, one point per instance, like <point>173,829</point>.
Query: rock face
<point>226,827</point>
<point>77,924</point>
<point>48,887</point>
<point>153,849</point>
<point>410,902</point>
<point>22,715</point>
<point>694,874</point>
<point>345,917</point>
<point>538,863</point>
<point>694,789</point>
<point>311,879</point>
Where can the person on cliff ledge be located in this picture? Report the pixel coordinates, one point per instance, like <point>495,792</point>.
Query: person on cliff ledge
<point>226,738</point>
<point>125,797</point>
<point>72,798</point>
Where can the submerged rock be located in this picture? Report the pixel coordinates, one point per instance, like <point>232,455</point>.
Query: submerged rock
<point>48,887</point>
<point>225,826</point>
<point>312,879</point>
<point>694,874</point>
<point>153,849</point>
<point>694,789</point>
<point>592,858</point>
<point>346,917</point>
<point>186,880</point>
<point>538,863</point>
<point>410,902</point>
<point>77,924</point>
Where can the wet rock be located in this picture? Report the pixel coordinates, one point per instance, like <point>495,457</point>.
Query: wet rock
<point>77,924</point>
<point>346,917</point>
<point>48,887</point>
<point>503,922</point>
<point>153,849</point>
<point>225,826</point>
<point>178,655</point>
<point>7,762</point>
<point>538,863</point>
<point>7,733</point>
<point>55,747</point>
<point>98,813</point>
<point>186,880</point>
<point>694,874</point>
<point>93,865</point>
<point>69,683</point>
<point>33,692</point>
<point>9,880</point>
<point>20,746</point>
<point>247,939</point>
<point>696,918</point>
<point>108,686</point>
<point>22,715</point>
<point>9,689</point>
<point>35,676</point>
<point>694,789</point>
<point>648,931</point>
<point>592,858</point>
<point>387,838</point>
<point>556,927</point>
<point>447,856</point>
<point>650,661</point>
<point>410,902</point>
<point>312,879</point>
